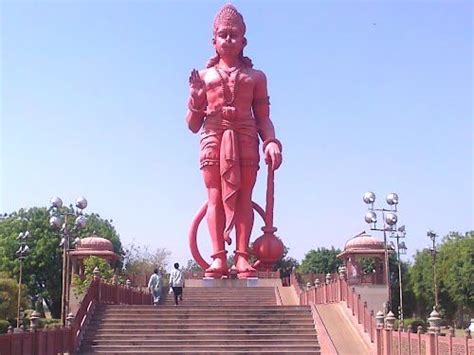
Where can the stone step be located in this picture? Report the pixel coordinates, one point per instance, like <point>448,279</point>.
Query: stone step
<point>204,336</point>
<point>200,342</point>
<point>211,303</point>
<point>136,308</point>
<point>239,324</point>
<point>185,316</point>
<point>183,348</point>
<point>223,290</point>
<point>207,352</point>
<point>270,330</point>
<point>188,315</point>
<point>197,312</point>
<point>177,328</point>
<point>146,322</point>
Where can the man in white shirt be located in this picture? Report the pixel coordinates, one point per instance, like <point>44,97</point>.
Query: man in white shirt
<point>177,283</point>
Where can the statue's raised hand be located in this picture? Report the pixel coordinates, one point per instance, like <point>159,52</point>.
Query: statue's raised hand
<point>197,88</point>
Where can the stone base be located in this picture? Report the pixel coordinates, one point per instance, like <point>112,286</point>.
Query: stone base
<point>229,283</point>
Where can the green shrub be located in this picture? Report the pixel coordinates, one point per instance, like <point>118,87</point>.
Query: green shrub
<point>80,285</point>
<point>49,323</point>
<point>4,324</point>
<point>415,323</point>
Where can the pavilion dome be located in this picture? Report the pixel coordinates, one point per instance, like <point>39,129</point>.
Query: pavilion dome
<point>95,243</point>
<point>94,246</point>
<point>364,241</point>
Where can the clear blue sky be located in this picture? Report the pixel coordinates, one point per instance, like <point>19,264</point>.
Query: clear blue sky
<point>366,95</point>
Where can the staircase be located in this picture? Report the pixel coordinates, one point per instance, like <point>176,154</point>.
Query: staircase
<point>213,320</point>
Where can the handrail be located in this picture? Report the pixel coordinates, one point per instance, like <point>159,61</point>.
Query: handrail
<point>327,345</point>
<point>278,296</point>
<point>84,313</point>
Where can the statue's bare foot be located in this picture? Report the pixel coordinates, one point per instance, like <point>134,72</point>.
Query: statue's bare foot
<point>243,266</point>
<point>217,269</point>
<point>244,269</point>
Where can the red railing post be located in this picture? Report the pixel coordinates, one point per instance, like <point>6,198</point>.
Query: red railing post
<point>379,340</point>
<point>409,342</point>
<point>363,316</point>
<point>352,301</point>
<point>387,341</point>
<point>358,309</point>
<point>430,343</point>
<point>418,333</point>
<point>371,326</point>
<point>467,336</point>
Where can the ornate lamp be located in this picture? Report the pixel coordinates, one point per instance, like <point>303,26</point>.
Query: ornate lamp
<point>59,221</point>
<point>390,219</point>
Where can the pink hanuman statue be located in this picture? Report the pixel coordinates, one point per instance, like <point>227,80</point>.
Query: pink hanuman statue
<point>229,103</point>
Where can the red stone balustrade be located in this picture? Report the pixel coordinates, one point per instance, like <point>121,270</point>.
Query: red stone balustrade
<point>387,341</point>
<point>67,339</point>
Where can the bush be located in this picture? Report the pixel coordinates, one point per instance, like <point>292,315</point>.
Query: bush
<point>414,324</point>
<point>49,323</point>
<point>4,324</point>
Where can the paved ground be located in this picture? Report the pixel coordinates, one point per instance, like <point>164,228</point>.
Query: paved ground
<point>345,337</point>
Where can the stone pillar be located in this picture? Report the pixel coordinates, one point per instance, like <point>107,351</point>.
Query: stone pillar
<point>34,320</point>
<point>435,321</point>
<point>390,320</point>
<point>70,320</point>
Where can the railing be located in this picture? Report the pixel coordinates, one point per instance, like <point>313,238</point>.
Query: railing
<point>37,342</point>
<point>68,339</point>
<point>434,343</point>
<point>278,297</point>
<point>387,340</point>
<point>325,341</point>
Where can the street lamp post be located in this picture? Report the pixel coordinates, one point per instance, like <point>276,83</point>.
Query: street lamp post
<point>390,220</point>
<point>432,235</point>
<point>21,253</point>
<point>434,319</point>
<point>59,221</point>
<point>401,249</point>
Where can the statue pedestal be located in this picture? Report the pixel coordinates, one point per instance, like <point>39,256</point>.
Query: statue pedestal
<point>229,283</point>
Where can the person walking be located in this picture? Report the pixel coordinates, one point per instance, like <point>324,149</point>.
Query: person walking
<point>154,285</point>
<point>177,283</point>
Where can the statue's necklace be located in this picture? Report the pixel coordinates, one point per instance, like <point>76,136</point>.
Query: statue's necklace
<point>232,92</point>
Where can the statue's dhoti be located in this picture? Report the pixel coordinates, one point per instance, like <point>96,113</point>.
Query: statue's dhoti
<point>230,144</point>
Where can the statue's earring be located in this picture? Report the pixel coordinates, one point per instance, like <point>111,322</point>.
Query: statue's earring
<point>245,41</point>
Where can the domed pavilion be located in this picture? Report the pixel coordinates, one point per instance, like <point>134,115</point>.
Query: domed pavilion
<point>372,286</point>
<point>91,246</point>
<point>359,247</point>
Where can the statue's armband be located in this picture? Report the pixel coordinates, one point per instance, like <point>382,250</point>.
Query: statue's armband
<point>261,101</point>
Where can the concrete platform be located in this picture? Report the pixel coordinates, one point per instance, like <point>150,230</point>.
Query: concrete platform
<point>233,283</point>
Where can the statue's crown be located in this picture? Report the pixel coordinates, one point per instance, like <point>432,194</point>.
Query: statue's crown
<point>229,16</point>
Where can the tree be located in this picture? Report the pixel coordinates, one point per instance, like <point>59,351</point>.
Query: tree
<point>407,292</point>
<point>286,264</point>
<point>192,266</point>
<point>138,259</point>
<point>42,267</point>
<point>90,263</point>
<point>421,279</point>
<point>321,261</point>
<point>9,297</point>
<point>456,270</point>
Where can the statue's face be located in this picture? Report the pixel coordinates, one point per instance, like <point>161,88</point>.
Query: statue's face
<point>229,41</point>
